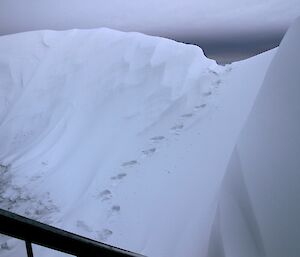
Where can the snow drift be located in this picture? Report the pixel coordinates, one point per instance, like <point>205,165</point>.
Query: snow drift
<point>125,138</point>
<point>259,211</point>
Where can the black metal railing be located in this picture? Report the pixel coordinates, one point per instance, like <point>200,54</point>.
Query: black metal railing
<point>33,232</point>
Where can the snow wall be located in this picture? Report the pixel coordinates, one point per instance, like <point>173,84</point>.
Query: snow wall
<point>259,208</point>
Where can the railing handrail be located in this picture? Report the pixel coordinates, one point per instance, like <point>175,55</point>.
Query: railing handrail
<point>35,232</point>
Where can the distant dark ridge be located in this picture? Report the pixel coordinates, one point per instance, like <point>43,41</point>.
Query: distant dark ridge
<point>234,53</point>
<point>226,49</point>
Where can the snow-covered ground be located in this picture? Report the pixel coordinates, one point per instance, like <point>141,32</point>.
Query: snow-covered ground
<point>120,137</point>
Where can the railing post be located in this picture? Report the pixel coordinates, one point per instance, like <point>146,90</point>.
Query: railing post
<point>29,249</point>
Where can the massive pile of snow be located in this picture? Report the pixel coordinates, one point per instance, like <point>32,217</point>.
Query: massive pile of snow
<point>120,137</point>
<point>259,211</point>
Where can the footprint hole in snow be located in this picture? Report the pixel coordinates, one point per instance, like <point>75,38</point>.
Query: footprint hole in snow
<point>116,208</point>
<point>177,127</point>
<point>197,107</point>
<point>5,246</point>
<point>207,93</point>
<point>218,82</point>
<point>104,234</point>
<point>228,69</point>
<point>82,225</point>
<point>187,115</point>
<point>149,151</point>
<point>157,138</point>
<point>213,72</point>
<point>119,176</point>
<point>129,163</point>
<point>105,195</point>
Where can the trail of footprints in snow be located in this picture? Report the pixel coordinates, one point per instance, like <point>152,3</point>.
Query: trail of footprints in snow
<point>106,195</point>
<point>180,125</point>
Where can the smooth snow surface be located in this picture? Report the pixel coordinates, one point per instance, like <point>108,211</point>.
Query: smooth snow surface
<point>120,137</point>
<point>259,210</point>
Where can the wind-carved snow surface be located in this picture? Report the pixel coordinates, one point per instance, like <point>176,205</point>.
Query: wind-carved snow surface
<point>259,208</point>
<point>119,137</point>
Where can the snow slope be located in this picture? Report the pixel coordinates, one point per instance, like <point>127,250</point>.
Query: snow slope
<point>120,137</point>
<point>261,193</point>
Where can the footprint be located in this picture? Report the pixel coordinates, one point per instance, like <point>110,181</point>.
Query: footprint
<point>4,246</point>
<point>113,211</point>
<point>104,234</point>
<point>228,69</point>
<point>157,138</point>
<point>149,151</point>
<point>177,127</point>
<point>197,107</point>
<point>129,163</point>
<point>119,176</point>
<point>36,177</point>
<point>81,224</point>
<point>213,72</point>
<point>115,208</point>
<point>207,93</point>
<point>187,115</point>
<point>3,168</point>
<point>218,82</point>
<point>105,195</point>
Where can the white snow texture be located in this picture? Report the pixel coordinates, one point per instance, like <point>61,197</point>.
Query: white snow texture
<point>260,194</point>
<point>128,139</point>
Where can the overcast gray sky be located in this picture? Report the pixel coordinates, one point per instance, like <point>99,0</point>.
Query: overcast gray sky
<point>215,24</point>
